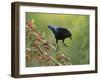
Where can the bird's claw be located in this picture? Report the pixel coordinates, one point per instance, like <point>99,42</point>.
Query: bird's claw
<point>65,45</point>
<point>54,44</point>
<point>56,50</point>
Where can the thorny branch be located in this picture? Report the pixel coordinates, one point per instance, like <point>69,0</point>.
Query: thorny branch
<point>48,56</point>
<point>39,37</point>
<point>44,41</point>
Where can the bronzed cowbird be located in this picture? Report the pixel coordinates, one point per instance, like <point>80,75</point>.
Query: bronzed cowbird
<point>60,33</point>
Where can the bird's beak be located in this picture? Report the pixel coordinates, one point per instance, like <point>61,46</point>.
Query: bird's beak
<point>71,38</point>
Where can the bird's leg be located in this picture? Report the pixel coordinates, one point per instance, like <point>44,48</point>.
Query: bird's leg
<point>64,43</point>
<point>57,44</point>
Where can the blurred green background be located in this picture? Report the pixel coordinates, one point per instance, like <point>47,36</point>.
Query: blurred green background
<point>78,47</point>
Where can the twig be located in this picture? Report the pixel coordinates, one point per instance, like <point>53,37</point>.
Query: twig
<point>47,55</point>
<point>50,56</point>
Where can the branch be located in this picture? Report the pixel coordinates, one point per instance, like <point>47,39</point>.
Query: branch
<point>44,41</point>
<point>49,56</point>
<point>40,37</point>
<point>46,55</point>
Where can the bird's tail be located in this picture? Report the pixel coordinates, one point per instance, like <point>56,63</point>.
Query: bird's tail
<point>52,28</point>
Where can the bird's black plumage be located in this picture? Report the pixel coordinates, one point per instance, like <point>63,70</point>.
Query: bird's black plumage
<point>60,33</point>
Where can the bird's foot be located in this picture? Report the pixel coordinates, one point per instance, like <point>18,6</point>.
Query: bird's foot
<point>65,45</point>
<point>57,49</point>
<point>54,44</point>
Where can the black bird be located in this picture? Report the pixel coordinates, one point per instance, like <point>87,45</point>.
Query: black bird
<point>60,33</point>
